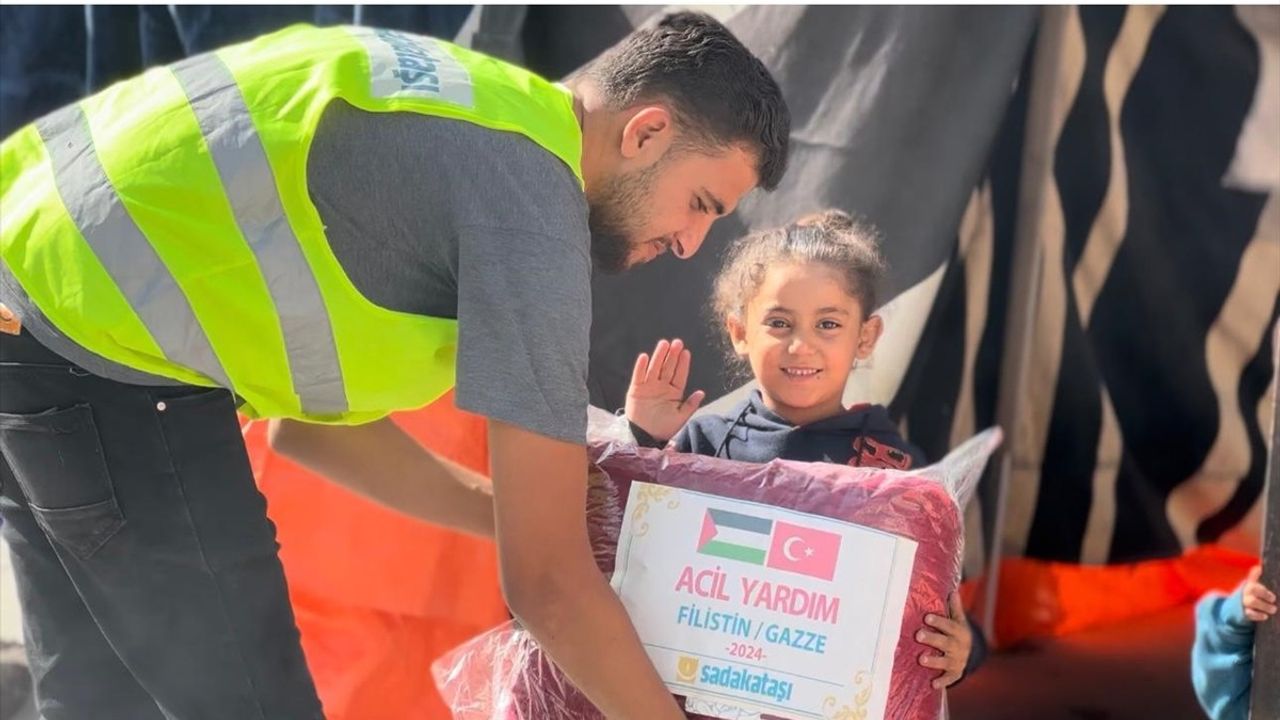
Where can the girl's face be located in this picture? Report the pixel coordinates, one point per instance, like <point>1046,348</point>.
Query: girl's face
<point>801,334</point>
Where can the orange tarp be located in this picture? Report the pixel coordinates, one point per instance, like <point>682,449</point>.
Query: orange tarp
<point>377,595</point>
<point>1043,599</point>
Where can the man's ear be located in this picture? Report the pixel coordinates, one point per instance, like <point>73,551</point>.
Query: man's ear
<point>868,336</point>
<point>647,135</point>
<point>737,334</point>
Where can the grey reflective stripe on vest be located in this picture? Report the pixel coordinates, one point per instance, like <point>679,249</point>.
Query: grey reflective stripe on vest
<point>120,246</point>
<point>250,187</point>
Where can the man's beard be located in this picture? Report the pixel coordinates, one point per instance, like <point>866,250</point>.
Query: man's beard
<point>615,214</point>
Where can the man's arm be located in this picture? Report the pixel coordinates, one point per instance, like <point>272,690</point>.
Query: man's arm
<point>552,583</point>
<point>381,462</point>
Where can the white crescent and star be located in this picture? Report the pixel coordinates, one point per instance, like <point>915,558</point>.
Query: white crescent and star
<point>786,549</point>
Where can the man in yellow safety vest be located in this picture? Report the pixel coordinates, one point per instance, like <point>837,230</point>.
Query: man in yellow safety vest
<point>322,226</point>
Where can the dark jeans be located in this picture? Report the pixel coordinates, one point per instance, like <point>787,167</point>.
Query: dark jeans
<point>145,562</point>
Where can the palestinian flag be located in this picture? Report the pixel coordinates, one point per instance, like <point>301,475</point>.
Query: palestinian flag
<point>735,536</point>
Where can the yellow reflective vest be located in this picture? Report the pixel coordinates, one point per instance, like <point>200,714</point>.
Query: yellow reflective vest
<point>165,222</point>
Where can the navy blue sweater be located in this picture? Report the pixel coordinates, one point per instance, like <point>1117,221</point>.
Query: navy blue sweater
<point>862,436</point>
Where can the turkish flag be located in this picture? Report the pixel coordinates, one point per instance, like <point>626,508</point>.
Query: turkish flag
<point>803,550</point>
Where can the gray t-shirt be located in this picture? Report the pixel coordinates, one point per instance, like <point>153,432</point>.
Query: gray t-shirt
<point>444,218</point>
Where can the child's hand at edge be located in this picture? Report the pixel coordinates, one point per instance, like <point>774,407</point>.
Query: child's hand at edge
<point>953,640</point>
<point>1259,602</point>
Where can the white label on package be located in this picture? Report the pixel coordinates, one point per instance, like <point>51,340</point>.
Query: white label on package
<point>750,609</point>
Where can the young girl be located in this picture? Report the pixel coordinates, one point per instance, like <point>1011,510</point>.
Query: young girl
<point>796,305</point>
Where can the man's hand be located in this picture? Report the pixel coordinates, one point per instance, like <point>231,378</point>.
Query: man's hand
<point>655,400</point>
<point>381,462</point>
<point>551,581</point>
<point>953,640</point>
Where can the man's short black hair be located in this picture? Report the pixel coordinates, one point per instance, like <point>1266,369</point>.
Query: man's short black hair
<point>719,92</point>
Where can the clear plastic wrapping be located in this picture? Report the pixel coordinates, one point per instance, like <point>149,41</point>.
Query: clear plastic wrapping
<point>503,674</point>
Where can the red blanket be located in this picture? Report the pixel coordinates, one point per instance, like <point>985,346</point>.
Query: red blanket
<point>504,675</point>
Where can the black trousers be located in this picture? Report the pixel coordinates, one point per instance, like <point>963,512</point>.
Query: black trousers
<point>146,566</point>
